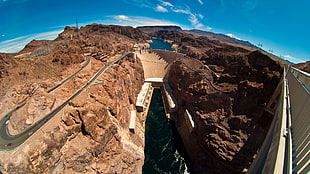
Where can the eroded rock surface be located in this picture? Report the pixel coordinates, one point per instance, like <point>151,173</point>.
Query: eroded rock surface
<point>303,66</point>
<point>90,135</point>
<point>225,88</point>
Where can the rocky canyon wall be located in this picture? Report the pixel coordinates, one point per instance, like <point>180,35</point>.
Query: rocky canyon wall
<point>225,89</point>
<point>91,134</point>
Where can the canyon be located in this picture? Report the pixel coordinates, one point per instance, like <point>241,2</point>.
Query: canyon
<point>224,84</point>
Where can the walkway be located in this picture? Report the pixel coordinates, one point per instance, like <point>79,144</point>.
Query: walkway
<point>286,148</point>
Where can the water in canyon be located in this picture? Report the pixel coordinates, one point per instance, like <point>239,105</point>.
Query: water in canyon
<point>159,44</point>
<point>162,142</point>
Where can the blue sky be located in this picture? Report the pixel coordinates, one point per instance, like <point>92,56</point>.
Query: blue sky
<point>279,25</point>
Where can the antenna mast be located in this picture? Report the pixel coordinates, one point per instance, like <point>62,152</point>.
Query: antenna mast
<point>77,23</point>
<point>77,26</point>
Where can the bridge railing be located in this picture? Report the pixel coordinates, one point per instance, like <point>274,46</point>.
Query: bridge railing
<point>300,120</point>
<point>286,148</point>
<point>303,77</point>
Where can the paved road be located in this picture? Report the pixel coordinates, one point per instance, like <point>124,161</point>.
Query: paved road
<point>8,141</point>
<point>68,78</point>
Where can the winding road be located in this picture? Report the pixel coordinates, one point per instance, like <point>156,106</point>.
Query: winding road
<point>70,77</point>
<point>8,141</point>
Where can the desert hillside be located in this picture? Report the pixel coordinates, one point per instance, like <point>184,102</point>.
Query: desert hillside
<point>90,134</point>
<point>224,84</point>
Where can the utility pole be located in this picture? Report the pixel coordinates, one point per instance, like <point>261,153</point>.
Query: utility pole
<point>77,29</point>
<point>77,26</point>
<point>98,29</point>
<point>77,23</point>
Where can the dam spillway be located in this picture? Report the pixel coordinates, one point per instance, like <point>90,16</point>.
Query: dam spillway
<point>163,145</point>
<point>161,141</point>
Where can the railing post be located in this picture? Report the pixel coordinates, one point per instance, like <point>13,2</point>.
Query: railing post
<point>288,150</point>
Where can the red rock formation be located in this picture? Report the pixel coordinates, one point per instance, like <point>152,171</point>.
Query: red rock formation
<point>91,134</point>
<point>99,41</point>
<point>5,62</point>
<point>227,103</point>
<point>226,99</point>
<point>303,66</point>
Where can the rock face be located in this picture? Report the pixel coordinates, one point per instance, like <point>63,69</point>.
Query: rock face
<point>100,41</point>
<point>222,37</point>
<point>90,135</point>
<point>303,66</point>
<point>225,89</point>
<point>5,62</point>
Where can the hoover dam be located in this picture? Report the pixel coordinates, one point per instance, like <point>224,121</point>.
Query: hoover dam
<point>81,104</point>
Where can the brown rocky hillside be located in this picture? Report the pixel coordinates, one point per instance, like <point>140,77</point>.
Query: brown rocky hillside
<point>90,135</point>
<point>303,66</point>
<point>225,88</point>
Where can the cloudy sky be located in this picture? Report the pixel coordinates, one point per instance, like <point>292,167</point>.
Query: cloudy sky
<point>281,26</point>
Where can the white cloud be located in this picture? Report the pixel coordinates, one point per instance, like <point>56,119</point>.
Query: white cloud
<point>293,59</point>
<point>136,21</point>
<point>199,25</point>
<point>209,28</point>
<point>194,21</point>
<point>48,35</point>
<point>13,45</point>
<point>182,11</point>
<point>3,35</point>
<point>165,3</point>
<point>193,18</point>
<point>232,36</point>
<point>140,3</point>
<point>121,17</point>
<point>161,9</point>
<point>13,40</point>
<point>166,6</point>
<point>16,44</point>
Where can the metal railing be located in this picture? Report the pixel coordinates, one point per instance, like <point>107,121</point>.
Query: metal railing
<point>286,148</point>
<point>300,127</point>
<point>302,77</point>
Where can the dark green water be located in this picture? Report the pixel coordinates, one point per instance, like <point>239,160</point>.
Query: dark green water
<point>159,44</point>
<point>161,142</point>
